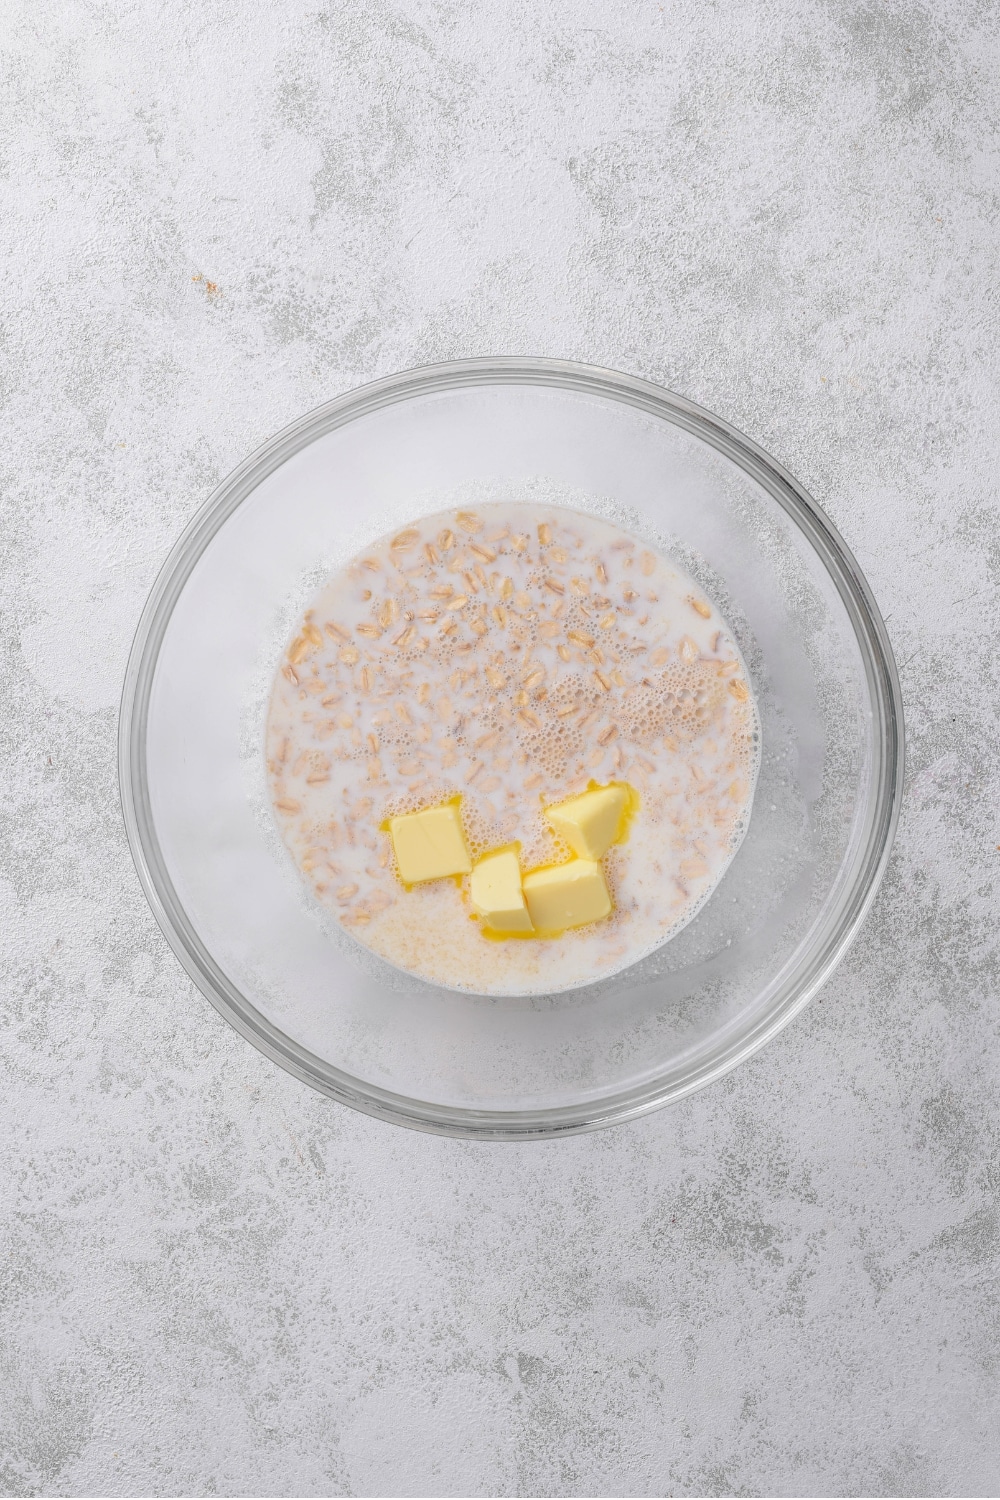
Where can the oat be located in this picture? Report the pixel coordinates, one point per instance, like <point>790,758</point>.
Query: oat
<point>291,674</point>
<point>486,553</point>
<point>337,631</point>
<point>601,573</point>
<point>459,602</point>
<point>469,521</point>
<point>579,638</point>
<point>605,682</point>
<point>607,734</point>
<point>299,650</point>
<point>606,622</point>
<point>647,564</point>
<point>288,805</point>
<point>555,585</point>
<point>405,636</point>
<point>446,540</point>
<point>405,541</point>
<point>701,608</point>
<point>349,655</point>
<point>739,690</point>
<point>563,653</point>
<point>544,534</point>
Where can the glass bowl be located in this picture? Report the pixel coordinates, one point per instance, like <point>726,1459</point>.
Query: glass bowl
<point>193,781</point>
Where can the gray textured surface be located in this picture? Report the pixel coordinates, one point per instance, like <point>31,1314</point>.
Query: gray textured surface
<point>215,1282</point>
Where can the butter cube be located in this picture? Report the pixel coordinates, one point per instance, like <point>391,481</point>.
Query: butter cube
<point>592,822</point>
<point>495,889</point>
<point>566,895</point>
<point>430,845</point>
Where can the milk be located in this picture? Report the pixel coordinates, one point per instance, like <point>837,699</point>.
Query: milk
<point>513,656</point>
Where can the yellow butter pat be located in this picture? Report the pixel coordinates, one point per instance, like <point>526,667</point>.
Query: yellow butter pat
<point>566,895</point>
<point>592,822</point>
<point>495,889</point>
<point>430,845</point>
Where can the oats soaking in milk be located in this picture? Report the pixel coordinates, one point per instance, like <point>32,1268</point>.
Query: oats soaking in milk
<point>512,750</point>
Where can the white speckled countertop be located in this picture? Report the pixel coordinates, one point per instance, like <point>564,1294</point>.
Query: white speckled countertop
<point>216,1281</point>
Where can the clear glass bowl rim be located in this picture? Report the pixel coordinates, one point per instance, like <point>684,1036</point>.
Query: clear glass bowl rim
<point>815,965</point>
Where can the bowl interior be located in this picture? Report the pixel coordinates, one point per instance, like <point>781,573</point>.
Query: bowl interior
<point>225,890</point>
